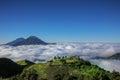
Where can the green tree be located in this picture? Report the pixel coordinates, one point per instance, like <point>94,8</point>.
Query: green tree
<point>55,58</point>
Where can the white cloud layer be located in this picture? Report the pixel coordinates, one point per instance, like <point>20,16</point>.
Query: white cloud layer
<point>86,50</point>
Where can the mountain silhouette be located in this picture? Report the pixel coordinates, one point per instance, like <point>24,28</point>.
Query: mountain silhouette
<point>115,56</point>
<point>15,41</point>
<point>32,40</point>
<point>9,68</point>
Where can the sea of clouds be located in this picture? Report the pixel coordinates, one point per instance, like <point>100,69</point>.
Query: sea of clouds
<point>87,51</point>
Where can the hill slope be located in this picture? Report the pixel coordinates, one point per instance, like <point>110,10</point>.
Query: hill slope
<point>72,68</point>
<point>9,68</point>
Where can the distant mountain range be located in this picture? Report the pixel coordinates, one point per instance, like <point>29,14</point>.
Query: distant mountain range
<point>114,56</point>
<point>32,40</point>
<point>15,41</point>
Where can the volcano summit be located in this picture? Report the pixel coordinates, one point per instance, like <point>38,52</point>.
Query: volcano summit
<point>32,40</point>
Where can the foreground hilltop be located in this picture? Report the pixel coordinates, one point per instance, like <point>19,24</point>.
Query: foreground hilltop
<point>31,40</point>
<point>62,68</point>
<point>9,68</point>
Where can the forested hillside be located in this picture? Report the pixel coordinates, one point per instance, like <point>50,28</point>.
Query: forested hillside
<point>62,68</point>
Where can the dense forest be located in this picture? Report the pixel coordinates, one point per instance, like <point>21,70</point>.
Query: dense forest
<point>60,68</point>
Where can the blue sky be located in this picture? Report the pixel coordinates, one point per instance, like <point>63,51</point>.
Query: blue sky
<point>61,20</point>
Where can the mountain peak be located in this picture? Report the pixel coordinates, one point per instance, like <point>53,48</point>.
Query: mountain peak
<point>15,41</point>
<point>20,38</point>
<point>31,40</point>
<point>33,37</point>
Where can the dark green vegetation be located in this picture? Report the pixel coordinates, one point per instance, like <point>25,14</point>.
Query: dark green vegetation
<point>63,68</point>
<point>9,68</point>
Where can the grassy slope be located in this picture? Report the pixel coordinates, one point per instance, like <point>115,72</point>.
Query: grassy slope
<point>69,68</point>
<point>72,68</point>
<point>24,63</point>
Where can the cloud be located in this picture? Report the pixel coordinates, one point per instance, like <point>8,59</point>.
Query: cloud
<point>109,65</point>
<point>47,52</point>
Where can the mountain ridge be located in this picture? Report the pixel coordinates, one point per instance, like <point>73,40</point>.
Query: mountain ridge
<point>31,40</point>
<point>15,41</point>
<point>115,56</point>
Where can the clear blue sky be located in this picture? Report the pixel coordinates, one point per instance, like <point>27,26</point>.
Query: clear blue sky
<point>61,20</point>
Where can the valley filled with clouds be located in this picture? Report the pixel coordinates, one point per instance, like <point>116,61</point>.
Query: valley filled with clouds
<point>87,51</point>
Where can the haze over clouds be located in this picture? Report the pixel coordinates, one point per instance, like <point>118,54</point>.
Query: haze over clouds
<point>85,50</point>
